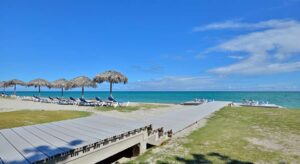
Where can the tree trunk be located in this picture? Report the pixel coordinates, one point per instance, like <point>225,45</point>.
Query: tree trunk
<point>39,91</point>
<point>110,91</point>
<point>62,92</point>
<point>82,92</point>
<point>15,93</point>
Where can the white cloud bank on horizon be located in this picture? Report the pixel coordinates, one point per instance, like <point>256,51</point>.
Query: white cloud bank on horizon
<point>174,83</point>
<point>205,83</point>
<point>269,49</point>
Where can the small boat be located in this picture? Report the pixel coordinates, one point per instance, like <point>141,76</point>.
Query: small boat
<point>253,103</point>
<point>196,102</point>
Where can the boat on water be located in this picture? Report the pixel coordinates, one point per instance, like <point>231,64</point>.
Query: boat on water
<point>254,103</point>
<point>196,102</point>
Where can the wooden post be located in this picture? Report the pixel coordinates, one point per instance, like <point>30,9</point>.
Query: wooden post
<point>15,93</point>
<point>39,90</point>
<point>110,91</point>
<point>62,92</point>
<point>82,92</point>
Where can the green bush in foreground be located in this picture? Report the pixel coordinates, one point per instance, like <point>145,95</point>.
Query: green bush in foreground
<point>236,135</point>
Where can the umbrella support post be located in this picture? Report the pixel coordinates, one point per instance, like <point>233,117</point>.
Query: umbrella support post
<point>110,90</point>
<point>15,93</point>
<point>39,91</point>
<point>82,92</point>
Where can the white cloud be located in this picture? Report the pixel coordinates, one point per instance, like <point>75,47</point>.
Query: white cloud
<point>240,25</point>
<point>268,50</point>
<point>200,56</point>
<point>174,83</point>
<point>151,69</point>
<point>236,57</point>
<point>248,68</point>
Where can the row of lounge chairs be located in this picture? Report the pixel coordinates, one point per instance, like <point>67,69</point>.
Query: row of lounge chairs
<point>80,101</point>
<point>3,94</point>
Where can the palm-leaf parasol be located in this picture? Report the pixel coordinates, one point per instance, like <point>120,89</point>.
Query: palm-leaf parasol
<point>112,77</point>
<point>38,83</point>
<point>60,83</point>
<point>81,81</point>
<point>14,82</point>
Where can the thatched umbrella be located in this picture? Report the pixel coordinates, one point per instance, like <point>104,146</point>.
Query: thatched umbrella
<point>60,83</point>
<point>14,82</point>
<point>112,77</point>
<point>81,81</point>
<point>38,83</point>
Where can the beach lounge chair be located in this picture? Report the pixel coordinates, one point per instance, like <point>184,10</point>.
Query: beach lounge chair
<point>53,100</point>
<point>64,101</point>
<point>84,102</point>
<point>40,99</point>
<point>3,94</point>
<point>116,103</point>
<point>35,98</point>
<point>100,101</point>
<point>74,101</point>
<point>26,98</point>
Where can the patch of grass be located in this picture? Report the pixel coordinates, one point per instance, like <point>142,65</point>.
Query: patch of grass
<point>131,108</point>
<point>30,117</point>
<point>234,135</point>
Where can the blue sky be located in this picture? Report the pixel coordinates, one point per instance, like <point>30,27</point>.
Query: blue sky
<point>159,45</point>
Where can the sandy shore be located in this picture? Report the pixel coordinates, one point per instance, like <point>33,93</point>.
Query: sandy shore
<point>16,104</point>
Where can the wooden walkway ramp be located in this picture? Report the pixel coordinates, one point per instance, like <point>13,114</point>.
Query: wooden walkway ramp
<point>43,142</point>
<point>179,119</point>
<point>93,138</point>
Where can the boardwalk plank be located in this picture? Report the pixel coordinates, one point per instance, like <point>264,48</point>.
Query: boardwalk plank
<point>30,152</point>
<point>59,143</point>
<point>38,143</point>
<point>8,153</point>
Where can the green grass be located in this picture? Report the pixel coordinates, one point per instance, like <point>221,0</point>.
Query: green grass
<point>234,135</point>
<point>30,117</point>
<point>131,108</point>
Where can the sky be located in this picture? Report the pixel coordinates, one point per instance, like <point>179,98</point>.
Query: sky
<point>169,45</point>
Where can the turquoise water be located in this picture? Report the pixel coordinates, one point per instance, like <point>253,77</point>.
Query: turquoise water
<point>286,99</point>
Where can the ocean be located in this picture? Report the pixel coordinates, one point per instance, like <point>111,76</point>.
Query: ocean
<point>286,99</point>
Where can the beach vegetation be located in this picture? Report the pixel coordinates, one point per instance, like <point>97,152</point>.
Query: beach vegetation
<point>236,135</point>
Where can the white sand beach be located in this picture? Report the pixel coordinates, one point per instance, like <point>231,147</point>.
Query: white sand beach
<point>17,104</point>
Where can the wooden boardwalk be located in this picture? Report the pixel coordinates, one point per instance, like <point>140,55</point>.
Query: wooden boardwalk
<point>44,142</point>
<point>177,120</point>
